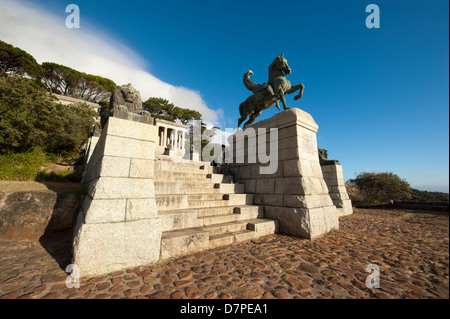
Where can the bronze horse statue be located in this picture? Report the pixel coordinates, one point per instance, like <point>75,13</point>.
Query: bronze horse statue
<point>266,95</point>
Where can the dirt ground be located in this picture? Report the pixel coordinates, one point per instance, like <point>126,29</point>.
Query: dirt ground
<point>17,186</point>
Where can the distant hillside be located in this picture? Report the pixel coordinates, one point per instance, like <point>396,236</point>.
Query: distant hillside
<point>425,196</point>
<point>417,195</point>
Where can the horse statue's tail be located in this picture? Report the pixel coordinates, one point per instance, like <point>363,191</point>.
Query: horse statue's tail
<point>249,84</point>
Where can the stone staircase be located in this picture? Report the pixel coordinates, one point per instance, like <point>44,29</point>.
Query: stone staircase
<point>200,209</point>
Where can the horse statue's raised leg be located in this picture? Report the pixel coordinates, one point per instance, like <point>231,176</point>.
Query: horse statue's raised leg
<point>300,87</point>
<point>281,93</point>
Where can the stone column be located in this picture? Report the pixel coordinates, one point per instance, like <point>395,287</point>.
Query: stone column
<point>118,225</point>
<point>161,138</point>
<point>183,140</point>
<point>165,137</point>
<point>177,143</point>
<point>173,138</point>
<point>295,193</point>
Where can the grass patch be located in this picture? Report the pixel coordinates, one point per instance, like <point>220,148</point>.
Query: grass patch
<point>426,242</point>
<point>27,166</point>
<point>22,166</point>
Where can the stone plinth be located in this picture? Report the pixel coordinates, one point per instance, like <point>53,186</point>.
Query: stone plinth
<point>118,226</point>
<point>284,173</point>
<point>334,177</point>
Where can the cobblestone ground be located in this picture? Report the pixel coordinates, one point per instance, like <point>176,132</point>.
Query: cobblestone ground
<point>411,250</point>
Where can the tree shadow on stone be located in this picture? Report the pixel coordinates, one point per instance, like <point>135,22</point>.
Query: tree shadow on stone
<point>58,235</point>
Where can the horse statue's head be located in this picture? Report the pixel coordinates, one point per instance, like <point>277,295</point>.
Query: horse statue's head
<point>280,63</point>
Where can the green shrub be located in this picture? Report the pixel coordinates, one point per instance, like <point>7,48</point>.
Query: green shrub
<point>29,117</point>
<point>27,166</point>
<point>71,130</point>
<point>381,187</point>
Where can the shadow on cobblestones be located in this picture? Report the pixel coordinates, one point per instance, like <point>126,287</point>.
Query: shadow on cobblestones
<point>59,246</point>
<point>57,238</point>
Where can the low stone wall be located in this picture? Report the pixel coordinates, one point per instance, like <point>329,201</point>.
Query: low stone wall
<point>295,193</point>
<point>334,177</point>
<point>118,226</point>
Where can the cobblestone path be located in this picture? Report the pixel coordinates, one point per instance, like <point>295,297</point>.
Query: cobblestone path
<point>410,249</point>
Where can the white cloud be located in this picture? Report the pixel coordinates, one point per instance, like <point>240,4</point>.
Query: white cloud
<point>44,35</point>
<point>221,137</point>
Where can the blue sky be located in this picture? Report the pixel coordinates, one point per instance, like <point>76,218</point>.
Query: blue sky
<point>379,96</point>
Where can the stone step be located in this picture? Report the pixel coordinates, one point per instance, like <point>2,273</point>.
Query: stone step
<point>183,201</point>
<point>189,218</point>
<point>220,203</point>
<point>171,202</point>
<point>224,239</point>
<point>248,212</point>
<point>184,242</point>
<point>254,228</point>
<point>179,219</point>
<point>263,226</point>
<point>162,176</point>
<point>188,241</point>
<point>167,158</point>
<point>207,196</point>
<point>215,211</point>
<point>219,178</point>
<point>190,176</point>
<point>217,219</point>
<point>184,187</point>
<point>219,229</point>
<point>230,188</point>
<point>184,166</point>
<point>239,199</point>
